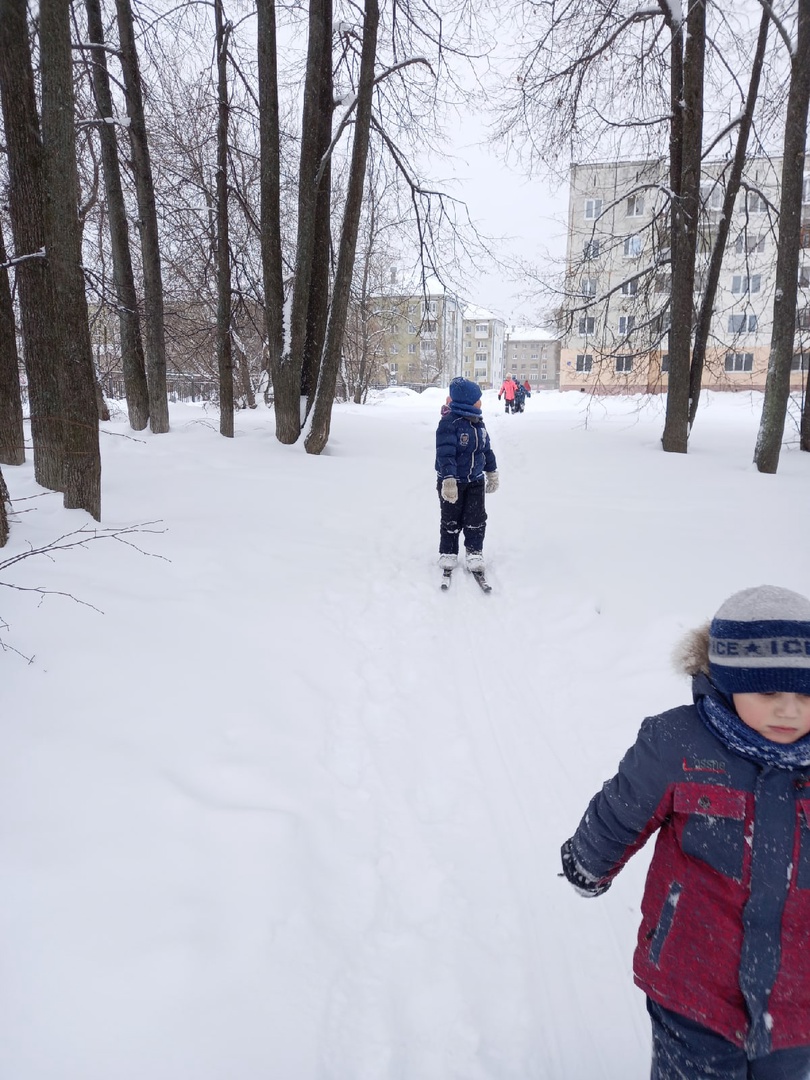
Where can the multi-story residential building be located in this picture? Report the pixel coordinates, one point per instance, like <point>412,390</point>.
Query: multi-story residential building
<point>419,336</point>
<point>616,308</point>
<point>533,354</point>
<point>483,347</point>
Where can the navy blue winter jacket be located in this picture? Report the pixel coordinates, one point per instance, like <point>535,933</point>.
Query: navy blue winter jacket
<point>462,448</point>
<point>725,931</point>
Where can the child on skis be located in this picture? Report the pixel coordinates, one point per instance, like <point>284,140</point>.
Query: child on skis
<point>723,950</point>
<point>466,470</point>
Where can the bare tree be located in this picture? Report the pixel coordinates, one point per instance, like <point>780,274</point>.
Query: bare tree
<point>132,356</point>
<point>4,501</point>
<point>154,320</point>
<point>81,457</point>
<point>777,386</point>
<point>224,291</point>
<point>319,431</point>
<point>32,271</point>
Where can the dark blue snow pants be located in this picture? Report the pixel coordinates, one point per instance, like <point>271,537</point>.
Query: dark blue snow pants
<point>684,1050</point>
<point>467,513</point>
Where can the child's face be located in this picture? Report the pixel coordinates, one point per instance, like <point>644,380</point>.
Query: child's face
<point>478,405</point>
<point>780,717</point>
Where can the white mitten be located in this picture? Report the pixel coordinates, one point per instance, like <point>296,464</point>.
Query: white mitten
<point>450,489</point>
<point>492,481</point>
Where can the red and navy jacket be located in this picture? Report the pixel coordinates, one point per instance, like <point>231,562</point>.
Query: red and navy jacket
<point>725,931</point>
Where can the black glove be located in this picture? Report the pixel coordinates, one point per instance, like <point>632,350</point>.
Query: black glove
<point>582,882</point>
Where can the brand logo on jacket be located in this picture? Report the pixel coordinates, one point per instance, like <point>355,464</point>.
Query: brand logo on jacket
<point>704,765</point>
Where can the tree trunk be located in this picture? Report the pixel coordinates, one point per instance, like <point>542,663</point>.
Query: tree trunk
<point>82,459</point>
<point>322,414</point>
<point>147,223</point>
<point>32,273</point>
<point>318,311</point>
<point>287,379</point>
<point>132,359</point>
<point>12,438</point>
<point>224,291</point>
<point>685,212</point>
<point>4,500</point>
<point>706,312</point>
<point>777,383</point>
<point>270,186</point>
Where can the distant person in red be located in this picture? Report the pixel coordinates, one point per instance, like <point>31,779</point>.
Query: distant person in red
<point>507,391</point>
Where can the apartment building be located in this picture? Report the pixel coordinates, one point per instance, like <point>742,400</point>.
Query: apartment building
<point>483,352</point>
<point>533,354</point>
<point>615,312</point>
<point>418,336</point>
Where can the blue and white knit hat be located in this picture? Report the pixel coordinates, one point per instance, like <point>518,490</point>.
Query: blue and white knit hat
<point>465,391</point>
<point>759,642</point>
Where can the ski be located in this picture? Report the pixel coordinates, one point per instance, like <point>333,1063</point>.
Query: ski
<point>447,576</point>
<point>481,579</point>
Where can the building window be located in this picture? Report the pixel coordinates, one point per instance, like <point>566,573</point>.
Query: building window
<point>394,349</point>
<point>587,325</point>
<point>803,318</point>
<point>626,324</point>
<point>739,361</point>
<point>588,286</point>
<point>481,358</point>
<point>800,361</point>
<point>632,246</point>
<point>393,368</point>
<point>664,363</point>
<point>663,283</point>
<point>630,288</point>
<point>806,191</point>
<point>624,364</point>
<point>412,347</point>
<point>751,244</point>
<point>741,283</point>
<point>411,309</point>
<point>736,324</point>
<point>755,203</point>
<point>584,362</point>
<point>482,328</point>
<point>431,307</point>
<point>752,323</point>
<point>411,328</point>
<point>712,196</point>
<point>593,209</point>
<point>591,249</point>
<point>635,206</point>
<point>543,377</point>
<point>804,277</point>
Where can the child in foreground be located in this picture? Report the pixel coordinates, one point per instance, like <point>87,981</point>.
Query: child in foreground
<point>723,950</point>
<point>466,470</point>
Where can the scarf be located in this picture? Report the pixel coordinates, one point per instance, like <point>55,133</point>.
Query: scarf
<point>459,408</point>
<point>743,740</point>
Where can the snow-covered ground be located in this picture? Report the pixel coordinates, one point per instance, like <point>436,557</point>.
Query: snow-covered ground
<point>280,809</point>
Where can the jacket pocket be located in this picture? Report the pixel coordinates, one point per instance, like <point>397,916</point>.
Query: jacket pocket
<point>713,825</point>
<point>665,921</point>
<point>803,874</point>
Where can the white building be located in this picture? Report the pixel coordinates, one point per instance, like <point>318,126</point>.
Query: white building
<point>616,305</point>
<point>483,350</point>
<point>533,354</point>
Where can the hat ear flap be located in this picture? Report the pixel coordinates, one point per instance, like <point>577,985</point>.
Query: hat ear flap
<point>691,654</point>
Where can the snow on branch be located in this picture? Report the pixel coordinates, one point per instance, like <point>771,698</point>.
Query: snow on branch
<point>23,258</point>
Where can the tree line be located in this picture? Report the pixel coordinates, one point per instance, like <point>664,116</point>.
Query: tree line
<point>189,185</point>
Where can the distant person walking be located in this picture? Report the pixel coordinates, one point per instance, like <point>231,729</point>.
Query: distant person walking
<point>508,391</point>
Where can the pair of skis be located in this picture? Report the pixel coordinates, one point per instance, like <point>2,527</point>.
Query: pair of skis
<point>479,575</point>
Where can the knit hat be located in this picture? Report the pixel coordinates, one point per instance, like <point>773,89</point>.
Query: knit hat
<point>465,391</point>
<point>759,642</point>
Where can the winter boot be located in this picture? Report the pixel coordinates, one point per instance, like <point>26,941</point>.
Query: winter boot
<point>448,562</point>
<point>475,561</point>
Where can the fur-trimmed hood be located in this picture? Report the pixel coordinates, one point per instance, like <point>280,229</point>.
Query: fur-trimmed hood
<point>691,654</point>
